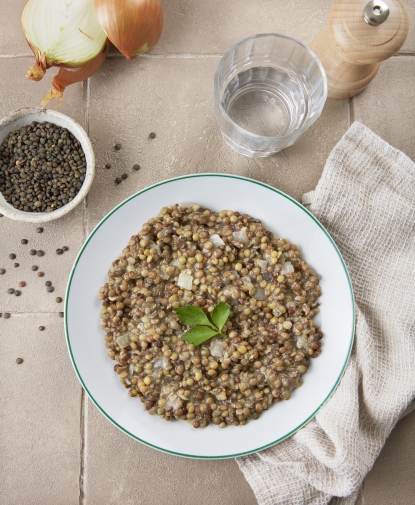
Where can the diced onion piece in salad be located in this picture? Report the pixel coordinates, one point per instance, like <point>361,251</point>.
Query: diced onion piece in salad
<point>185,281</point>
<point>260,294</point>
<point>287,268</point>
<point>263,264</point>
<point>124,340</point>
<point>216,240</point>
<point>216,348</point>
<point>240,236</point>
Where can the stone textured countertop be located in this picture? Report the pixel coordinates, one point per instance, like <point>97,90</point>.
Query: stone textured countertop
<point>56,448</point>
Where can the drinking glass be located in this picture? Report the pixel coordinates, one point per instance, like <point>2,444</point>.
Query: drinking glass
<point>268,90</point>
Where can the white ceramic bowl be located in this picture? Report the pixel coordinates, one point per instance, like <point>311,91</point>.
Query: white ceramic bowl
<point>23,117</point>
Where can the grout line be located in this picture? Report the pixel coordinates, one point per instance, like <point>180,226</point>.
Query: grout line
<point>82,420</point>
<point>22,55</point>
<point>170,56</point>
<point>30,314</point>
<point>351,111</point>
<point>409,53</point>
<point>82,455</point>
<point>87,93</point>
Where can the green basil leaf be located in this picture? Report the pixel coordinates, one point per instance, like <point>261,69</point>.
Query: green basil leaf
<point>220,315</point>
<point>198,335</point>
<point>192,315</point>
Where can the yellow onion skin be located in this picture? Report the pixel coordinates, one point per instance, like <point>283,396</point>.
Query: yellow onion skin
<point>133,26</point>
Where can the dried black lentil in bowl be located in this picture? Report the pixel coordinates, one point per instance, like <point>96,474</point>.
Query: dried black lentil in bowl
<point>42,167</point>
<point>220,257</point>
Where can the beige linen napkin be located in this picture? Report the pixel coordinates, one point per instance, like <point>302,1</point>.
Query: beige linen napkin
<point>366,200</point>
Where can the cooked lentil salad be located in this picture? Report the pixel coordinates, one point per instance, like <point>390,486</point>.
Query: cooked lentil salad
<point>189,255</point>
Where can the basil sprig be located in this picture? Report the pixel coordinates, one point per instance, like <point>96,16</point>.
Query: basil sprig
<point>203,327</point>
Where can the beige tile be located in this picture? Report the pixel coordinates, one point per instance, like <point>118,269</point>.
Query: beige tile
<point>122,470</point>
<point>17,92</point>
<point>387,106</point>
<point>174,98</point>
<point>391,480</point>
<point>40,413</point>
<point>192,26</point>
<point>12,39</point>
<point>65,231</point>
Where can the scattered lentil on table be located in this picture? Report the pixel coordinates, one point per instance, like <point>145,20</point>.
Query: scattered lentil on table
<point>40,274</point>
<point>2,271</point>
<point>19,361</point>
<point>41,328</point>
<point>108,165</point>
<point>40,253</point>
<point>42,167</point>
<point>10,291</point>
<point>24,241</point>
<point>17,292</point>
<point>35,267</point>
<point>58,299</point>
<point>12,256</point>
<point>117,146</point>
<point>6,315</point>
<point>65,248</point>
<point>59,251</point>
<point>39,230</point>
<point>15,265</point>
<point>192,256</point>
<point>22,284</point>
<point>136,167</point>
<point>32,252</point>
<point>152,135</point>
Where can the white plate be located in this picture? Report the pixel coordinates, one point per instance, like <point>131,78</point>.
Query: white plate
<point>285,218</point>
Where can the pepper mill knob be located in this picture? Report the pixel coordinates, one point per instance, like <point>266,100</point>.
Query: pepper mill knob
<point>358,36</point>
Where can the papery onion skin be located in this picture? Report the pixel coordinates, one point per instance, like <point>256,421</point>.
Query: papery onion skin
<point>133,26</point>
<point>63,33</point>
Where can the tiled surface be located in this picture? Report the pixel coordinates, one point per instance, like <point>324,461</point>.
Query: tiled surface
<point>39,414</point>
<point>48,431</point>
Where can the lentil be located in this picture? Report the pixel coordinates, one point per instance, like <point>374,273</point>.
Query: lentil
<point>15,265</point>
<point>124,176</point>
<point>40,274</point>
<point>41,328</point>
<point>152,135</point>
<point>117,146</point>
<point>22,284</point>
<point>17,292</point>
<point>2,271</point>
<point>6,315</point>
<point>40,253</point>
<point>65,248</point>
<point>24,241</point>
<point>10,291</point>
<point>270,338</point>
<point>12,256</point>
<point>59,251</point>
<point>35,267</point>
<point>32,252</point>
<point>48,283</point>
<point>42,167</point>
<point>50,289</point>
<point>58,299</point>
<point>108,165</point>
<point>39,230</point>
<point>60,314</point>
<point>118,180</point>
<point>19,361</point>
<point>136,167</point>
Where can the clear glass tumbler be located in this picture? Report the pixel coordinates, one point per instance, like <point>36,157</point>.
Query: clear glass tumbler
<point>268,90</point>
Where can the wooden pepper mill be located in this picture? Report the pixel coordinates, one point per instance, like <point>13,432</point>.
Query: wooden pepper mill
<point>358,36</point>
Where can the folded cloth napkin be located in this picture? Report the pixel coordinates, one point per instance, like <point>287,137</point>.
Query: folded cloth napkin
<point>366,200</point>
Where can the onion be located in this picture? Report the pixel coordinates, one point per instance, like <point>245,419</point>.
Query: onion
<point>133,26</point>
<point>216,348</point>
<point>124,340</point>
<point>287,268</point>
<point>216,240</point>
<point>260,294</point>
<point>263,264</point>
<point>185,281</point>
<point>240,236</point>
<point>61,33</point>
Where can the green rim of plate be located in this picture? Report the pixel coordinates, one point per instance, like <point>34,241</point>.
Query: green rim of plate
<point>167,181</point>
